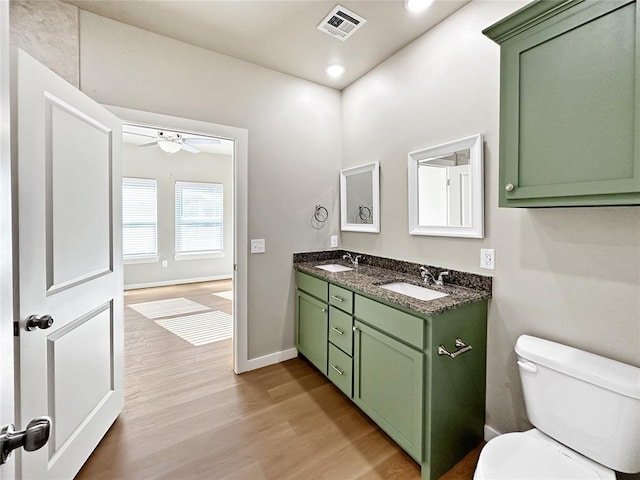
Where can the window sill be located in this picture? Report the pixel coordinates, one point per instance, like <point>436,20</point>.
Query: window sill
<point>197,256</point>
<point>134,260</point>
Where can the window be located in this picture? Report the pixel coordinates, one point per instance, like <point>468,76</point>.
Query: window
<point>139,218</point>
<point>198,218</point>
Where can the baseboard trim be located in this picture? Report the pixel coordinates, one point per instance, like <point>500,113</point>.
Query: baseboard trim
<point>166,283</point>
<point>490,432</point>
<point>271,359</point>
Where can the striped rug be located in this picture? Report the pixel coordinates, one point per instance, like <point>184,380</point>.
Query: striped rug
<point>201,328</point>
<point>167,308</point>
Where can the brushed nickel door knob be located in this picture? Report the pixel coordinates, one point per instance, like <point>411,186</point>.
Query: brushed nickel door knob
<point>509,187</point>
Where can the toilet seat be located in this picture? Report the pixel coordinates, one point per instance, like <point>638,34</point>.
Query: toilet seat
<point>533,455</point>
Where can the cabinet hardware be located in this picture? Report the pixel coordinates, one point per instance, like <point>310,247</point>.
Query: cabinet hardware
<point>323,309</point>
<point>340,372</point>
<point>337,330</point>
<point>509,187</point>
<point>335,297</point>
<point>460,345</point>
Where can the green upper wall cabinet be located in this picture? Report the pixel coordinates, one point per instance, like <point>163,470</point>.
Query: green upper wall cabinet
<point>569,104</point>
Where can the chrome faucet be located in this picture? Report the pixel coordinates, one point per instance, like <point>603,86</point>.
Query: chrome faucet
<point>427,275</point>
<point>353,260</point>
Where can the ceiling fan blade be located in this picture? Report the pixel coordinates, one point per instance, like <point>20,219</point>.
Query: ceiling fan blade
<point>189,148</point>
<point>193,140</point>
<point>149,144</point>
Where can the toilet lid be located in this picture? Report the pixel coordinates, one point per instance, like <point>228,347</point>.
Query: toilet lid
<point>532,455</point>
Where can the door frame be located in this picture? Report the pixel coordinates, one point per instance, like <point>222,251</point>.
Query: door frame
<point>240,136</point>
<point>7,402</point>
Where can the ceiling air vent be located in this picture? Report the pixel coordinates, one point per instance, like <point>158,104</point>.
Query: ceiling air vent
<point>341,23</point>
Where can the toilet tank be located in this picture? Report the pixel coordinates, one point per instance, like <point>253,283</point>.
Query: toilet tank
<point>589,403</point>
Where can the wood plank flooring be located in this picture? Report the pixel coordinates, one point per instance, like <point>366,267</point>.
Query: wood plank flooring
<point>188,416</point>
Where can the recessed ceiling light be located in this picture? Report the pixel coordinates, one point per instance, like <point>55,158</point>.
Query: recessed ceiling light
<point>417,5</point>
<point>335,70</point>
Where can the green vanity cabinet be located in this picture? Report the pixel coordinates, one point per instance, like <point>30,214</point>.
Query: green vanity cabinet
<point>385,358</point>
<point>388,386</point>
<point>569,104</point>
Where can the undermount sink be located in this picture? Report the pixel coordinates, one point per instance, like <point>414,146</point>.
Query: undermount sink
<point>334,268</point>
<point>410,290</point>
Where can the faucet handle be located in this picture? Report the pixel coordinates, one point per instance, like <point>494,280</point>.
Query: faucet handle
<point>440,280</point>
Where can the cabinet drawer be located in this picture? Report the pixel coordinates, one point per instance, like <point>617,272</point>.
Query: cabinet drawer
<point>341,370</point>
<point>401,325</point>
<point>341,330</point>
<point>312,285</point>
<point>341,298</point>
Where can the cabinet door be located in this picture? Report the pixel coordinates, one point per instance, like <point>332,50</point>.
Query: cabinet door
<point>311,335</point>
<point>569,126</point>
<point>388,386</point>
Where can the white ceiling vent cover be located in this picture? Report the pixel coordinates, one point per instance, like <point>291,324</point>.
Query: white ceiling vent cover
<point>341,23</point>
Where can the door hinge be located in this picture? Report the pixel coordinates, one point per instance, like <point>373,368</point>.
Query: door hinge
<point>16,329</point>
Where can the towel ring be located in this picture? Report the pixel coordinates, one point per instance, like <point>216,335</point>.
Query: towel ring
<point>321,214</point>
<point>364,213</point>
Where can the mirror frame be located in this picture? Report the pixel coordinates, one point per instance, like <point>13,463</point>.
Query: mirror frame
<point>476,230</point>
<point>374,168</point>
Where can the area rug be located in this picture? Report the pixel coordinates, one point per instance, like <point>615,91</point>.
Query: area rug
<point>228,295</point>
<point>201,328</point>
<point>167,308</point>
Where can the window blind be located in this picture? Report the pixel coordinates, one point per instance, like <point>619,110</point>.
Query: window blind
<point>139,218</point>
<point>199,217</point>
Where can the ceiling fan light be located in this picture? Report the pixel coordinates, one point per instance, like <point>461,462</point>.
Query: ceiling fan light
<point>169,146</point>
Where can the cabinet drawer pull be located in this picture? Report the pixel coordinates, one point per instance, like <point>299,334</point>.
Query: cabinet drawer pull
<point>340,372</point>
<point>335,297</point>
<point>509,187</point>
<point>337,330</point>
<point>323,309</point>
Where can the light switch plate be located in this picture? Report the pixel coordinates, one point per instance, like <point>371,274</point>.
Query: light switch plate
<point>258,245</point>
<point>488,258</point>
<point>334,241</point>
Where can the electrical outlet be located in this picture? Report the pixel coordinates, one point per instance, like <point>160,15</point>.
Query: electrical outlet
<point>165,264</point>
<point>334,241</point>
<point>488,258</point>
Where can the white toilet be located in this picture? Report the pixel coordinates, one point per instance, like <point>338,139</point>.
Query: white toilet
<point>586,410</point>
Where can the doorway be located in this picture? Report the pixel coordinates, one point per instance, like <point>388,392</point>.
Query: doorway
<point>177,191</point>
<point>238,138</point>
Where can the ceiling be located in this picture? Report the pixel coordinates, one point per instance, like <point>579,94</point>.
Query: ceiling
<point>282,35</point>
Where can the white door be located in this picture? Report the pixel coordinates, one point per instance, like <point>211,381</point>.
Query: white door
<point>70,267</point>
<point>6,278</point>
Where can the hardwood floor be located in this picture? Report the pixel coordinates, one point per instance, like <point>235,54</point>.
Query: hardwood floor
<point>188,416</point>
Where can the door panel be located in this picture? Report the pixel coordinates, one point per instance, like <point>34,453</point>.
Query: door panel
<point>70,136</point>
<point>70,266</point>
<point>313,321</point>
<point>387,386</point>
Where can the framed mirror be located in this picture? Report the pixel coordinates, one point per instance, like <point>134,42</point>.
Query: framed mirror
<point>360,198</point>
<point>446,189</point>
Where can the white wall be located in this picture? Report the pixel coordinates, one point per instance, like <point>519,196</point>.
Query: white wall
<point>570,275</point>
<point>167,169</point>
<point>294,146</point>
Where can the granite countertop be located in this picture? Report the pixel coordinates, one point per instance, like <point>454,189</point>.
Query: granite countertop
<point>367,278</point>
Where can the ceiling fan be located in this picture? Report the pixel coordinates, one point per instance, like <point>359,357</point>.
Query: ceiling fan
<point>172,142</point>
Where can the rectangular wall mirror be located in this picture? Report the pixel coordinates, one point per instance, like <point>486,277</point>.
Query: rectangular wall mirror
<point>446,189</point>
<point>360,198</point>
